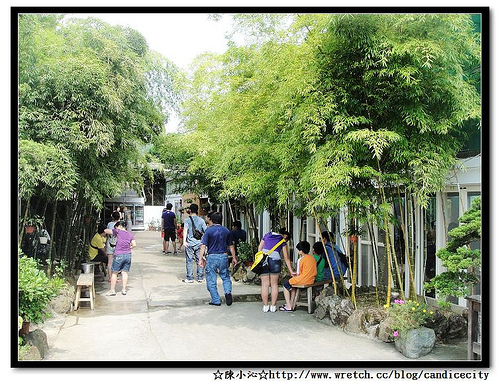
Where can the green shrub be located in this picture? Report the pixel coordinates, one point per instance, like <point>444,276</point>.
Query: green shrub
<point>406,315</point>
<point>35,290</point>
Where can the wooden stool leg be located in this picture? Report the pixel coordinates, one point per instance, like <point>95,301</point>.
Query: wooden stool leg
<point>92,296</point>
<point>297,296</point>
<point>309,299</point>
<point>77,297</point>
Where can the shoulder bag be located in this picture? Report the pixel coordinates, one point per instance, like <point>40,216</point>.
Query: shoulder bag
<point>261,257</point>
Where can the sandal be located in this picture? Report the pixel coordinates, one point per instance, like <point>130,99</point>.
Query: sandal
<point>283,308</point>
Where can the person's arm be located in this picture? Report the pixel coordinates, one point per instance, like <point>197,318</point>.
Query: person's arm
<point>108,231</point>
<point>202,261</point>
<point>132,244</point>
<point>233,253</point>
<point>184,235</point>
<point>261,245</point>
<point>287,260</point>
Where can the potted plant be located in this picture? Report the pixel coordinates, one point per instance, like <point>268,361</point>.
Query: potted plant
<point>407,319</point>
<point>32,222</point>
<point>245,253</point>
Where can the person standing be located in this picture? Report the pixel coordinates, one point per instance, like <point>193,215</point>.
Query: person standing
<point>237,235</point>
<point>168,224</point>
<point>128,218</point>
<point>272,268</point>
<point>192,225</point>
<point>111,241</point>
<point>122,258</point>
<point>215,243</point>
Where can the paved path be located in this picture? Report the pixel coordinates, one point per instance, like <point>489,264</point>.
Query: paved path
<point>163,319</point>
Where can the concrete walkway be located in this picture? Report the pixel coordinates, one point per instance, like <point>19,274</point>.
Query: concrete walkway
<point>163,319</point>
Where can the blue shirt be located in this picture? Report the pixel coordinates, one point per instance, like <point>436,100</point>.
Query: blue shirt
<point>332,255</point>
<point>217,238</point>
<point>238,236</point>
<point>168,219</point>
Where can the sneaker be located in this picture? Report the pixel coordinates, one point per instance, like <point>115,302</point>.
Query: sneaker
<point>200,280</point>
<point>272,309</point>
<point>229,299</point>
<point>124,292</point>
<point>188,280</point>
<point>265,308</point>
<point>175,252</point>
<point>214,304</point>
<point>111,293</point>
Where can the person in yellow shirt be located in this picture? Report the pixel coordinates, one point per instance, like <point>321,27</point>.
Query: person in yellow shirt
<point>305,275</point>
<point>97,246</point>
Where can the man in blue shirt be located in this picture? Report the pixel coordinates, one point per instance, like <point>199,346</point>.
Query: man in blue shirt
<point>215,243</point>
<point>168,224</point>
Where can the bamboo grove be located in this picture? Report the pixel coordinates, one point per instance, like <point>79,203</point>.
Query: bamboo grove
<point>320,113</point>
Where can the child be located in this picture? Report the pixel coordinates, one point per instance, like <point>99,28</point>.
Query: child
<point>180,230</point>
<point>305,275</point>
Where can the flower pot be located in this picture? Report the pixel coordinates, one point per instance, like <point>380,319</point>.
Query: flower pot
<point>416,342</point>
<point>30,229</point>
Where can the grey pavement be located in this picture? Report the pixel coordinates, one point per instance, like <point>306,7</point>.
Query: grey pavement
<point>163,319</point>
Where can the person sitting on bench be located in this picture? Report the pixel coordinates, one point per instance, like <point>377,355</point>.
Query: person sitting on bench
<point>306,272</point>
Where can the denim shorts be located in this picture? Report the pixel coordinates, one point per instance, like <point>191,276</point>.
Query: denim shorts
<point>121,262</point>
<point>287,285</point>
<point>273,266</point>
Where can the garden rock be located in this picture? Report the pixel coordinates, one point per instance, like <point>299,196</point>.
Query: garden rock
<point>416,342</point>
<point>335,307</point>
<point>448,327</point>
<point>385,332</point>
<point>38,339</point>
<point>63,302</point>
<point>365,321</point>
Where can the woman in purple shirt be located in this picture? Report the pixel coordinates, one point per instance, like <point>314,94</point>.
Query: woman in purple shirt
<point>122,257</point>
<point>272,269</point>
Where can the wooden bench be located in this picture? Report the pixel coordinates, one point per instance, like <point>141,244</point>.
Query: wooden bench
<point>85,280</point>
<point>309,289</point>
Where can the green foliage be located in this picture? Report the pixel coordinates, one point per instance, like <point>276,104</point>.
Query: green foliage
<point>35,290</point>
<point>406,315</point>
<point>95,90</point>
<point>246,251</point>
<point>461,262</point>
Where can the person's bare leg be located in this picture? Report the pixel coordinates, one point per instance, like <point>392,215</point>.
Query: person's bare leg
<point>274,289</point>
<point>288,302</point>
<point>110,262</point>
<point>293,292</point>
<point>124,280</point>
<point>264,291</point>
<point>114,277</point>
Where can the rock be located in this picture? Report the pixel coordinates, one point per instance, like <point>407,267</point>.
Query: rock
<point>385,332</point>
<point>448,326</point>
<point>320,313</point>
<point>416,342</point>
<point>38,339</point>
<point>365,321</point>
<point>63,302</point>
<point>356,322</point>
<point>337,308</point>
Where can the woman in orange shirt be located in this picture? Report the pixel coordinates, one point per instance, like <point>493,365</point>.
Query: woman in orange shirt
<point>305,275</point>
